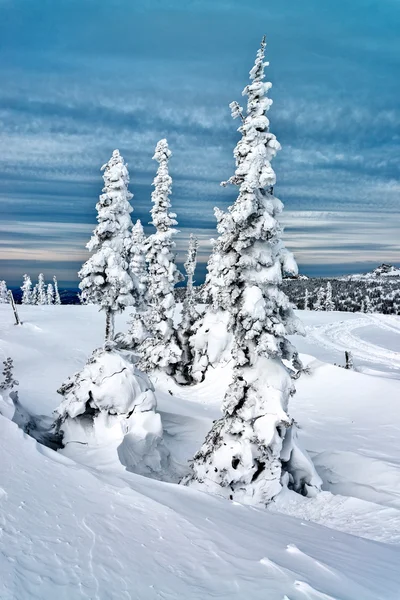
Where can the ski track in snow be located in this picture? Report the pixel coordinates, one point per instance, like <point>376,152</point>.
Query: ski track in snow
<point>90,557</point>
<point>339,336</point>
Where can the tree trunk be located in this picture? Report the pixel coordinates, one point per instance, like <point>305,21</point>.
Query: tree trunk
<point>109,324</point>
<point>17,321</point>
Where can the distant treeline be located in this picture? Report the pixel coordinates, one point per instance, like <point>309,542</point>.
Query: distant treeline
<point>368,295</point>
<point>380,295</point>
<point>66,296</point>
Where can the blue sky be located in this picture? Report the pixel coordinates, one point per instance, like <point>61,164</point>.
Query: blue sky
<point>80,78</point>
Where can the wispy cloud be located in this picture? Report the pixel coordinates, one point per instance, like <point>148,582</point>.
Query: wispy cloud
<point>80,80</point>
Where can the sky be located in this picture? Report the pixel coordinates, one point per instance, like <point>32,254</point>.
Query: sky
<point>80,78</point>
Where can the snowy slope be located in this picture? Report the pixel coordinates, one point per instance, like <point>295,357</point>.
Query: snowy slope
<point>87,528</point>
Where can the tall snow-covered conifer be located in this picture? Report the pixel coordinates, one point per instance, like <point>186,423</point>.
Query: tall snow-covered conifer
<point>306,300</point>
<point>137,331</point>
<point>57,299</point>
<point>105,277</point>
<point>4,298</point>
<point>329,303</point>
<point>189,313</point>
<point>26,289</point>
<point>190,268</point>
<point>251,452</point>
<point>50,294</point>
<point>41,290</point>
<point>320,301</point>
<point>368,305</point>
<point>161,349</point>
<point>34,297</point>
<point>137,258</point>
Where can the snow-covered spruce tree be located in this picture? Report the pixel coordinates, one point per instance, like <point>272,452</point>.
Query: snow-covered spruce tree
<point>251,452</point>
<point>189,313</point>
<point>105,277</point>
<point>137,257</point>
<point>26,289</point>
<point>368,305</point>
<point>306,300</point>
<point>50,294</point>
<point>4,298</point>
<point>161,350</point>
<point>57,299</point>
<point>41,290</point>
<point>320,301</point>
<point>329,303</point>
<point>190,268</point>
<point>137,331</point>
<point>34,297</point>
<point>111,403</point>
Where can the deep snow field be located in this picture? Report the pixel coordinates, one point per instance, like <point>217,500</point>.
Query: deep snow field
<point>74,525</point>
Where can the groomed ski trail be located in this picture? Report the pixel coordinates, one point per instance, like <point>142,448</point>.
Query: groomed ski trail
<point>339,336</point>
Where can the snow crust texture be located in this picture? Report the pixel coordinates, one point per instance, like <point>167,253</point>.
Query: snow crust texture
<point>79,524</point>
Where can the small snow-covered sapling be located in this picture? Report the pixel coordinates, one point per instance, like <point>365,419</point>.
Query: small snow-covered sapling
<point>8,372</point>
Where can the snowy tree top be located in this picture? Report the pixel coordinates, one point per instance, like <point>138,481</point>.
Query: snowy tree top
<point>249,258</point>
<point>161,218</point>
<point>138,232</point>
<point>258,145</point>
<point>113,207</point>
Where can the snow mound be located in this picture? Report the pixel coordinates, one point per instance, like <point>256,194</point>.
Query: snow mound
<point>212,343</point>
<point>110,403</point>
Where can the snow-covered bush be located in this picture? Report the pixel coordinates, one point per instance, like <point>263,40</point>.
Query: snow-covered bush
<point>105,277</point>
<point>111,403</point>
<point>161,348</point>
<point>7,396</point>
<point>8,373</point>
<point>4,298</point>
<point>251,452</point>
<point>26,289</point>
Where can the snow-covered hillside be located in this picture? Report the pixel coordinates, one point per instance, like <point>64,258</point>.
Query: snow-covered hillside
<point>79,525</point>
